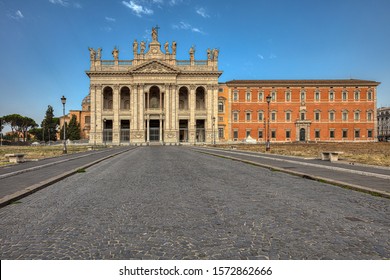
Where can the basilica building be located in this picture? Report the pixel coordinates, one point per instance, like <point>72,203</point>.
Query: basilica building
<point>156,98</point>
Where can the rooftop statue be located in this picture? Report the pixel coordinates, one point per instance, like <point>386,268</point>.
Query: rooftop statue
<point>155,33</point>
<point>92,53</point>
<point>135,46</point>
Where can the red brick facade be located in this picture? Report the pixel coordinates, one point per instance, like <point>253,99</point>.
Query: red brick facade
<point>301,110</point>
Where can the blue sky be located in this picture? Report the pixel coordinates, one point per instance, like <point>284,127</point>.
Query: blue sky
<point>44,43</point>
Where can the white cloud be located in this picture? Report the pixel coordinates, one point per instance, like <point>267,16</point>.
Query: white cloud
<point>186,26</point>
<point>110,19</point>
<point>16,15</point>
<point>137,9</point>
<point>272,56</point>
<point>260,56</point>
<point>64,3</point>
<point>77,5</point>
<point>202,12</point>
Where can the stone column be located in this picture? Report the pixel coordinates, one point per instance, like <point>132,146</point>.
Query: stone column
<point>215,111</point>
<point>148,129</point>
<point>161,128</point>
<point>141,122</point>
<point>209,113</point>
<point>115,123</point>
<point>92,134</point>
<point>99,121</point>
<point>192,107</point>
<point>167,107</point>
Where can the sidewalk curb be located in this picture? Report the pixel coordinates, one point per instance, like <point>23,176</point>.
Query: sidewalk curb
<point>8,199</point>
<point>45,165</point>
<point>307,176</point>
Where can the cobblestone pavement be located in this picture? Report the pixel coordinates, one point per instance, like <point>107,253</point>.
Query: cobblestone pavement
<point>173,203</point>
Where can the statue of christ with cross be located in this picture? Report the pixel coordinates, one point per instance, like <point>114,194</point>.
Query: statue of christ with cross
<point>155,33</point>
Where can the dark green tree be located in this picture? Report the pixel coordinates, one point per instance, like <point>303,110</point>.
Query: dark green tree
<point>50,125</point>
<point>19,125</point>
<point>73,129</point>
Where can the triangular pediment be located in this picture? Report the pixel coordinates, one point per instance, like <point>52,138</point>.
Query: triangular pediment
<point>154,67</point>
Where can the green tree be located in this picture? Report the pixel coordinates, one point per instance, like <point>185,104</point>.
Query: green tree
<point>50,125</point>
<point>73,129</point>
<point>19,125</point>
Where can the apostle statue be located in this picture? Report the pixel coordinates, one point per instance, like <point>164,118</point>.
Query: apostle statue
<point>92,53</point>
<point>174,47</point>
<point>166,46</point>
<point>192,53</point>
<point>135,47</point>
<point>99,53</point>
<point>154,33</point>
<point>142,47</point>
<point>115,53</point>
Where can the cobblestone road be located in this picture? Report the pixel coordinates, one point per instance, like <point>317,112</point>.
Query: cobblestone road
<point>174,203</point>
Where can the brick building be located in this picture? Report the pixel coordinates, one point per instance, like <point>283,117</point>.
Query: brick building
<point>301,110</point>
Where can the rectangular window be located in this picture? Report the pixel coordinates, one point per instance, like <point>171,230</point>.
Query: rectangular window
<point>260,115</point>
<point>369,133</point>
<point>317,96</point>
<point>248,96</point>
<point>273,133</point>
<point>288,116</point>
<point>357,96</point>
<point>220,90</point>
<point>303,116</point>
<point>260,96</point>
<point>303,96</point>
<point>248,117</point>
<point>345,116</point>
<point>317,134</point>
<point>357,116</point>
<point>344,96</point>
<point>273,96</point>
<point>357,133</point>
<point>273,116</point>
<point>260,134</point>
<point>235,96</point>
<point>220,119</point>
<point>331,134</point>
<point>369,95</point>
<point>221,134</point>
<point>345,133</point>
<point>235,116</point>
<point>331,116</point>
<point>248,133</point>
<point>235,134</point>
<point>331,96</point>
<point>87,119</point>
<point>288,134</point>
<point>288,96</point>
<point>317,116</point>
<point>369,116</point>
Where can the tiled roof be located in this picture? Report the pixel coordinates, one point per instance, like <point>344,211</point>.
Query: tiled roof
<point>285,83</point>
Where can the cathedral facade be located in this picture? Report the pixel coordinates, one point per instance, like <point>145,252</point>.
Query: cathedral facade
<point>156,98</point>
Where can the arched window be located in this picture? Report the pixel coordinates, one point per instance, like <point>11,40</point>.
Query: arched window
<point>183,98</point>
<point>125,98</point>
<point>200,98</point>
<point>107,98</point>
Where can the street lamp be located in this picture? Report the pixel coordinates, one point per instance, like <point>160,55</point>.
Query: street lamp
<point>104,132</point>
<point>214,131</point>
<point>63,101</point>
<point>267,144</point>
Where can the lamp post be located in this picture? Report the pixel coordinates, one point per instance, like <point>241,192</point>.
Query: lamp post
<point>267,144</point>
<point>63,101</point>
<point>214,131</point>
<point>104,132</point>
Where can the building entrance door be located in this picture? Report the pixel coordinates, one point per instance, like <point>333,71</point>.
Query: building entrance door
<point>302,135</point>
<point>154,130</point>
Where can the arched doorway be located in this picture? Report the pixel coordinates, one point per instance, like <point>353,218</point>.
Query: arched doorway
<point>302,135</point>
